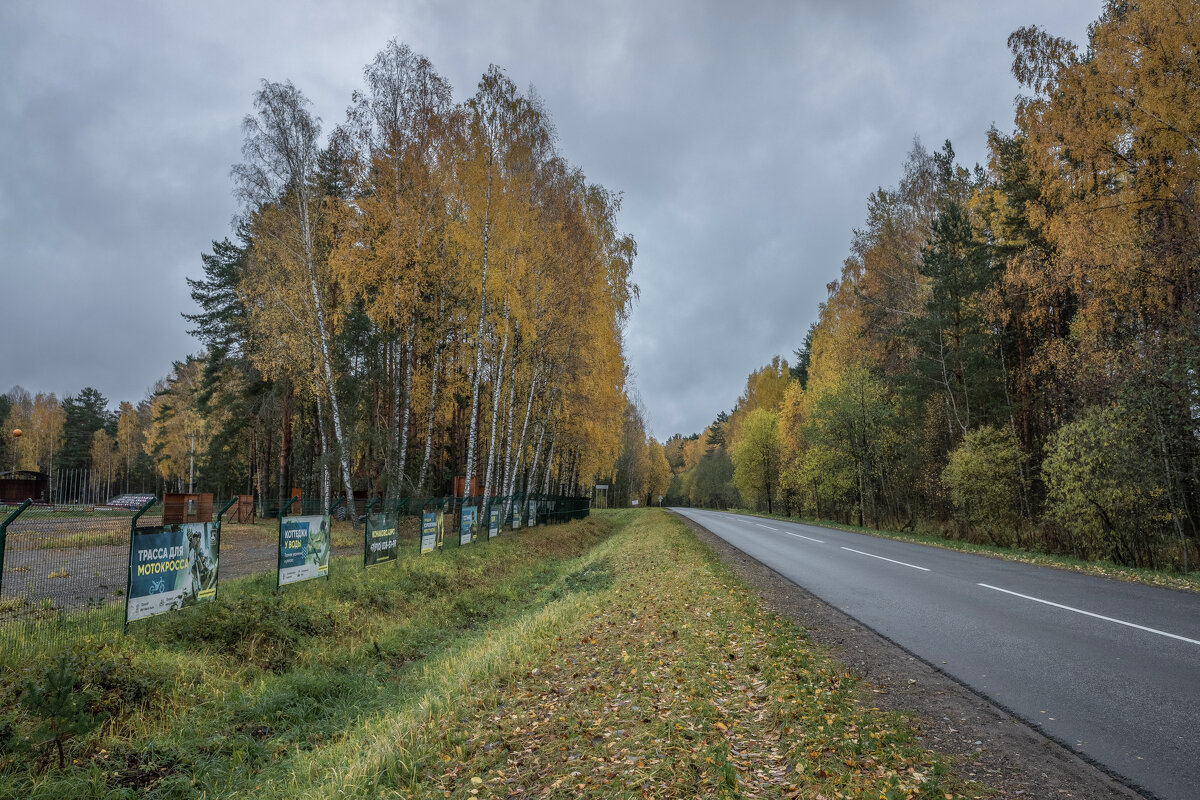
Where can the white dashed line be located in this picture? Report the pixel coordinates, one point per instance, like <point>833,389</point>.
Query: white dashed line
<point>881,558</point>
<point>799,536</point>
<point>1090,614</point>
<point>789,533</point>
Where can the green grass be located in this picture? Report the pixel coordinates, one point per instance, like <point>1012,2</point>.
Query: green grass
<point>1170,580</point>
<point>611,657</point>
<point>83,539</point>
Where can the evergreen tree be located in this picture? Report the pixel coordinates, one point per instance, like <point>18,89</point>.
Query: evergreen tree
<point>86,413</point>
<point>799,370</point>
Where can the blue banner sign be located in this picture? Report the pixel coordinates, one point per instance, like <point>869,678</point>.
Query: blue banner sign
<point>172,566</point>
<point>469,526</point>
<point>303,548</point>
<point>431,531</point>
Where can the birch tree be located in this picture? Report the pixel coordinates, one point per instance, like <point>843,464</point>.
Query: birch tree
<point>396,123</point>
<point>278,186</point>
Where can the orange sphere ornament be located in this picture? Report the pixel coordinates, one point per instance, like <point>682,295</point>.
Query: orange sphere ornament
<point>16,433</point>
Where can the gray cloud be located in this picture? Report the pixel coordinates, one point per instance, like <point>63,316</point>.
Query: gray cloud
<point>745,137</point>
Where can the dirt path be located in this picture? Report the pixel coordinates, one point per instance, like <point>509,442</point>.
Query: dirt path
<point>995,747</point>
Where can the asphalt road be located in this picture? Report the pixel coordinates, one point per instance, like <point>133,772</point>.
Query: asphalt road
<point>1109,668</point>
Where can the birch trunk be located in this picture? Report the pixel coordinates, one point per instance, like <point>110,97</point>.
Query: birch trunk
<point>499,380</point>
<point>531,478</point>
<point>323,438</point>
<point>394,438</point>
<point>524,429</point>
<point>306,231</point>
<point>550,460</point>
<point>487,223</point>
<point>506,477</point>
<point>437,358</point>
<point>408,370</point>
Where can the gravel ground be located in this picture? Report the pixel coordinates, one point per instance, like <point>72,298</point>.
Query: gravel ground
<point>992,746</point>
<point>74,578</point>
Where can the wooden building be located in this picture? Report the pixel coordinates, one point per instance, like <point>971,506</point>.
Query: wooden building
<point>22,485</point>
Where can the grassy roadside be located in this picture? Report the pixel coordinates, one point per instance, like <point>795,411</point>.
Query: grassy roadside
<point>208,702</point>
<point>1169,580</point>
<point>619,659</point>
<point>676,683</point>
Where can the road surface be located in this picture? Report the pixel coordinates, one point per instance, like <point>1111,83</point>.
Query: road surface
<point>1109,668</point>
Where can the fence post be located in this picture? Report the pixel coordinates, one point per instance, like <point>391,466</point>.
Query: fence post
<point>349,515</point>
<point>221,514</point>
<point>279,552</point>
<point>4,535</point>
<point>341,500</point>
<point>128,566</point>
<point>366,529</point>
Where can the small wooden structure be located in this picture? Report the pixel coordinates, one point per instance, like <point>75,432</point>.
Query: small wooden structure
<point>179,508</point>
<point>21,485</point>
<point>243,510</point>
<point>461,489</point>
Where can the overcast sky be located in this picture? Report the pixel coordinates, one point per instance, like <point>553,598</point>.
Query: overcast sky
<point>745,137</point>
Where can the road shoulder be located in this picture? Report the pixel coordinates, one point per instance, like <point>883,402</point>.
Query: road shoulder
<point>995,747</point>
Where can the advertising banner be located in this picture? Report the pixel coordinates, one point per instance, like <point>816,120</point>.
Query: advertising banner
<point>172,566</point>
<point>532,513</point>
<point>429,532</point>
<point>469,526</point>
<point>303,548</point>
<point>493,522</point>
<point>381,542</point>
<point>516,511</point>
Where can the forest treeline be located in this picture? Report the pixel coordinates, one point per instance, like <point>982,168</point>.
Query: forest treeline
<point>1011,353</point>
<point>429,291</point>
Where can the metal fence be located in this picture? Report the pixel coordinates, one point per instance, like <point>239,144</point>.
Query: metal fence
<point>64,570</point>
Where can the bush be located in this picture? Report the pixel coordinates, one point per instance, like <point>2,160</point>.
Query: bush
<point>1103,486</point>
<point>983,477</point>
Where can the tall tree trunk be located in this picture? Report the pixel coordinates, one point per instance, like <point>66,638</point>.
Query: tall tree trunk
<point>437,359</point>
<point>520,453</point>
<point>394,437</point>
<point>496,386</point>
<point>507,478</point>
<point>487,223</point>
<point>402,461</point>
<point>322,439</point>
<point>550,460</point>
<point>285,440</point>
<point>326,357</point>
<point>531,478</point>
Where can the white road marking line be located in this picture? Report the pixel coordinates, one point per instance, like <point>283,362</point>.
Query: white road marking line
<point>1090,614</point>
<point>789,533</point>
<point>881,558</point>
<point>798,536</point>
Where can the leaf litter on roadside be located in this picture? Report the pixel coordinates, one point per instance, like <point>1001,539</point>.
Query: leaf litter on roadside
<point>679,684</point>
